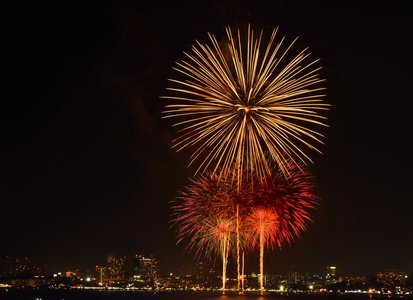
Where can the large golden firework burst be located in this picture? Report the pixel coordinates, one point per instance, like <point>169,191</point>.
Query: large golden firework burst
<point>242,103</point>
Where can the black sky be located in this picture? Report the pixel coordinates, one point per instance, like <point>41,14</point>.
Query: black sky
<point>86,166</point>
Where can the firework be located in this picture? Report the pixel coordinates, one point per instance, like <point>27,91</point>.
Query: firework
<point>292,198</point>
<point>209,197</point>
<point>281,209</point>
<point>214,215</point>
<point>243,98</point>
<point>221,231</point>
<point>263,222</point>
<point>206,213</point>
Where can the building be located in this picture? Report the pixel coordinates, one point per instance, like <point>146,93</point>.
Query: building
<point>274,281</point>
<point>7,267</point>
<point>187,270</point>
<point>391,278</point>
<point>115,270</point>
<point>206,273</point>
<point>331,275</point>
<point>315,282</point>
<point>355,279</point>
<point>23,265</point>
<point>145,267</point>
<point>100,275</point>
<point>331,271</point>
<point>10,266</point>
<point>297,279</point>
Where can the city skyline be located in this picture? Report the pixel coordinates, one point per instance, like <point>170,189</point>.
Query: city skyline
<point>145,275</point>
<point>151,266</point>
<point>147,266</point>
<point>87,169</point>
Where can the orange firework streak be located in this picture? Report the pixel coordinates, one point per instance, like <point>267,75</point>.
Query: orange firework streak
<point>222,232</point>
<point>263,222</point>
<point>243,103</point>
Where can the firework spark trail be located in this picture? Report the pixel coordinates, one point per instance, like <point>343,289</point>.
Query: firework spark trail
<point>242,99</point>
<point>202,212</point>
<point>264,223</point>
<point>281,209</point>
<point>208,198</point>
<point>266,213</point>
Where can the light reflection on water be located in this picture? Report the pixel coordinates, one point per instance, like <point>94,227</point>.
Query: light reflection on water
<point>122,295</point>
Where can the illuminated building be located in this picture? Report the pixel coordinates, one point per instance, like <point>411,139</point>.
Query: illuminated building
<point>23,265</point>
<point>100,274</point>
<point>145,267</point>
<point>316,281</point>
<point>136,267</point>
<point>353,279</point>
<point>275,280</point>
<point>20,266</point>
<point>296,279</point>
<point>331,271</point>
<point>331,275</point>
<point>40,269</point>
<point>187,270</point>
<point>7,266</point>
<point>206,273</point>
<point>115,269</point>
<point>391,278</point>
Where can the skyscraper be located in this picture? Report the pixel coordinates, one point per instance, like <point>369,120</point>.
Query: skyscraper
<point>6,266</point>
<point>331,271</point>
<point>391,278</point>
<point>330,275</point>
<point>100,274</point>
<point>145,267</point>
<point>115,269</point>
<point>206,272</point>
<point>14,266</point>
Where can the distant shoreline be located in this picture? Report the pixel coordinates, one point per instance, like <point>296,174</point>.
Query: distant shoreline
<point>83,294</point>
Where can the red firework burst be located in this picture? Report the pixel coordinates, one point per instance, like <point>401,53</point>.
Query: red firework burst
<point>282,206</point>
<point>291,199</point>
<point>202,209</point>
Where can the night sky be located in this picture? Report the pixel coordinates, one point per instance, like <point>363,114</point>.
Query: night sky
<point>86,166</point>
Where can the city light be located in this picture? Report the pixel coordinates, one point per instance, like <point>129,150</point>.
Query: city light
<point>203,276</point>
